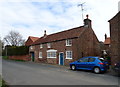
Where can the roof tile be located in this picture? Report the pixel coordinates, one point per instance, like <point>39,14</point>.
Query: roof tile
<point>107,40</point>
<point>67,34</point>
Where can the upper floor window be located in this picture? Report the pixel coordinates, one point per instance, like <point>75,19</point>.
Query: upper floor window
<point>68,54</point>
<point>41,45</point>
<point>48,45</point>
<point>31,47</point>
<point>68,42</point>
<point>40,54</point>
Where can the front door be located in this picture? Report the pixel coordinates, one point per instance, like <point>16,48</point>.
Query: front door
<point>32,56</point>
<point>61,58</point>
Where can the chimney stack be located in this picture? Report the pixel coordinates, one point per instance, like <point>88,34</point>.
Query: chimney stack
<point>87,22</point>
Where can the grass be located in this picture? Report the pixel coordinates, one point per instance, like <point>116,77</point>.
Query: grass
<point>5,57</point>
<point>0,81</point>
<point>3,83</point>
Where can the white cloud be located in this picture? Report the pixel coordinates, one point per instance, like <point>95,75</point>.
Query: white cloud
<point>31,18</point>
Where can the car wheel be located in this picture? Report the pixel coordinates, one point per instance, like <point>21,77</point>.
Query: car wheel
<point>96,70</point>
<point>73,67</point>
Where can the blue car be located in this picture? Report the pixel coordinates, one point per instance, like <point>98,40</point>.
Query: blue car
<point>96,64</point>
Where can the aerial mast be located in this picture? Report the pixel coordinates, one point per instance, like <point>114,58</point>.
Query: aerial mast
<point>81,5</point>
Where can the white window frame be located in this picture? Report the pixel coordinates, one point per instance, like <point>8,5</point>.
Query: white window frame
<point>41,45</point>
<point>69,42</point>
<point>48,45</point>
<point>31,47</point>
<point>40,54</point>
<point>51,53</point>
<point>68,56</point>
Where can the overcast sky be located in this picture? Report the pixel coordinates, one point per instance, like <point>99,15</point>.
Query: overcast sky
<point>32,17</point>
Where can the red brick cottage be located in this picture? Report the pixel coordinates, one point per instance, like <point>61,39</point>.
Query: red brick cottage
<point>66,46</point>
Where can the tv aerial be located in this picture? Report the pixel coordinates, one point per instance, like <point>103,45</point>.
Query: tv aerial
<point>82,9</point>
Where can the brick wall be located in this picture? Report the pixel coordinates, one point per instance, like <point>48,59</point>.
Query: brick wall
<point>21,57</point>
<point>115,38</point>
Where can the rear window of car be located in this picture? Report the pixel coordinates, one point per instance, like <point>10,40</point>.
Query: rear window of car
<point>102,59</point>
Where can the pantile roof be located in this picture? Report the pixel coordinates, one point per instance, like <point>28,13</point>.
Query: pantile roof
<point>67,34</point>
<point>107,40</point>
<point>30,40</point>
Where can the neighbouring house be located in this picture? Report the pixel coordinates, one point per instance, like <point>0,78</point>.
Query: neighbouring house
<point>107,45</point>
<point>66,46</point>
<point>105,48</point>
<point>30,40</point>
<point>115,38</point>
<point>107,42</point>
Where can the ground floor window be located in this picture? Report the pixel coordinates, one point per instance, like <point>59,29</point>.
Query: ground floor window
<point>68,54</point>
<point>40,54</point>
<point>51,53</point>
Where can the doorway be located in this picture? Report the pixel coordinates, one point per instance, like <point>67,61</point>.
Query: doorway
<point>61,58</point>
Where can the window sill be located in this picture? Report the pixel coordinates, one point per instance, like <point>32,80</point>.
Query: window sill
<point>51,57</point>
<point>40,57</point>
<point>69,58</point>
<point>68,45</point>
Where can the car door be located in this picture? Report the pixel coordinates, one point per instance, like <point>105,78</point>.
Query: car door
<point>91,63</point>
<point>82,63</point>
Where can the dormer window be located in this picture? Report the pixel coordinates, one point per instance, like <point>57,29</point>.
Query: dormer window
<point>48,45</point>
<point>41,45</point>
<point>68,42</point>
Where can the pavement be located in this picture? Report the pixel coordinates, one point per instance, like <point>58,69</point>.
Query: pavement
<point>30,73</point>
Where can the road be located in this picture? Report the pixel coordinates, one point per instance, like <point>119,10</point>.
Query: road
<point>29,73</point>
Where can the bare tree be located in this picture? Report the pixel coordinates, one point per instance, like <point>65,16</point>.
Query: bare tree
<point>14,38</point>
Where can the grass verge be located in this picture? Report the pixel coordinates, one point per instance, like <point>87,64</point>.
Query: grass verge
<point>3,83</point>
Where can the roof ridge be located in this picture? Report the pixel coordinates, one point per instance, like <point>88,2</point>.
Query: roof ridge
<point>65,30</point>
<point>66,34</point>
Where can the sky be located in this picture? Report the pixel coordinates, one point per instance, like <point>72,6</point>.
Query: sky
<point>32,17</point>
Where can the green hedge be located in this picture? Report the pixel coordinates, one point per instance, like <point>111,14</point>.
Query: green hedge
<point>15,50</point>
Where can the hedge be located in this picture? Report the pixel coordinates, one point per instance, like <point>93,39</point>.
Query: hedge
<point>15,50</point>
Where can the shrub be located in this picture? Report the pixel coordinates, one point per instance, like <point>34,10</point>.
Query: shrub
<point>15,50</point>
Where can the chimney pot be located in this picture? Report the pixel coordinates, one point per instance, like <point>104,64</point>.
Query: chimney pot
<point>44,32</point>
<point>87,16</point>
<point>105,36</point>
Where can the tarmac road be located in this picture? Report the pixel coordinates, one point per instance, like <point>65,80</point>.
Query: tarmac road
<point>29,73</point>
